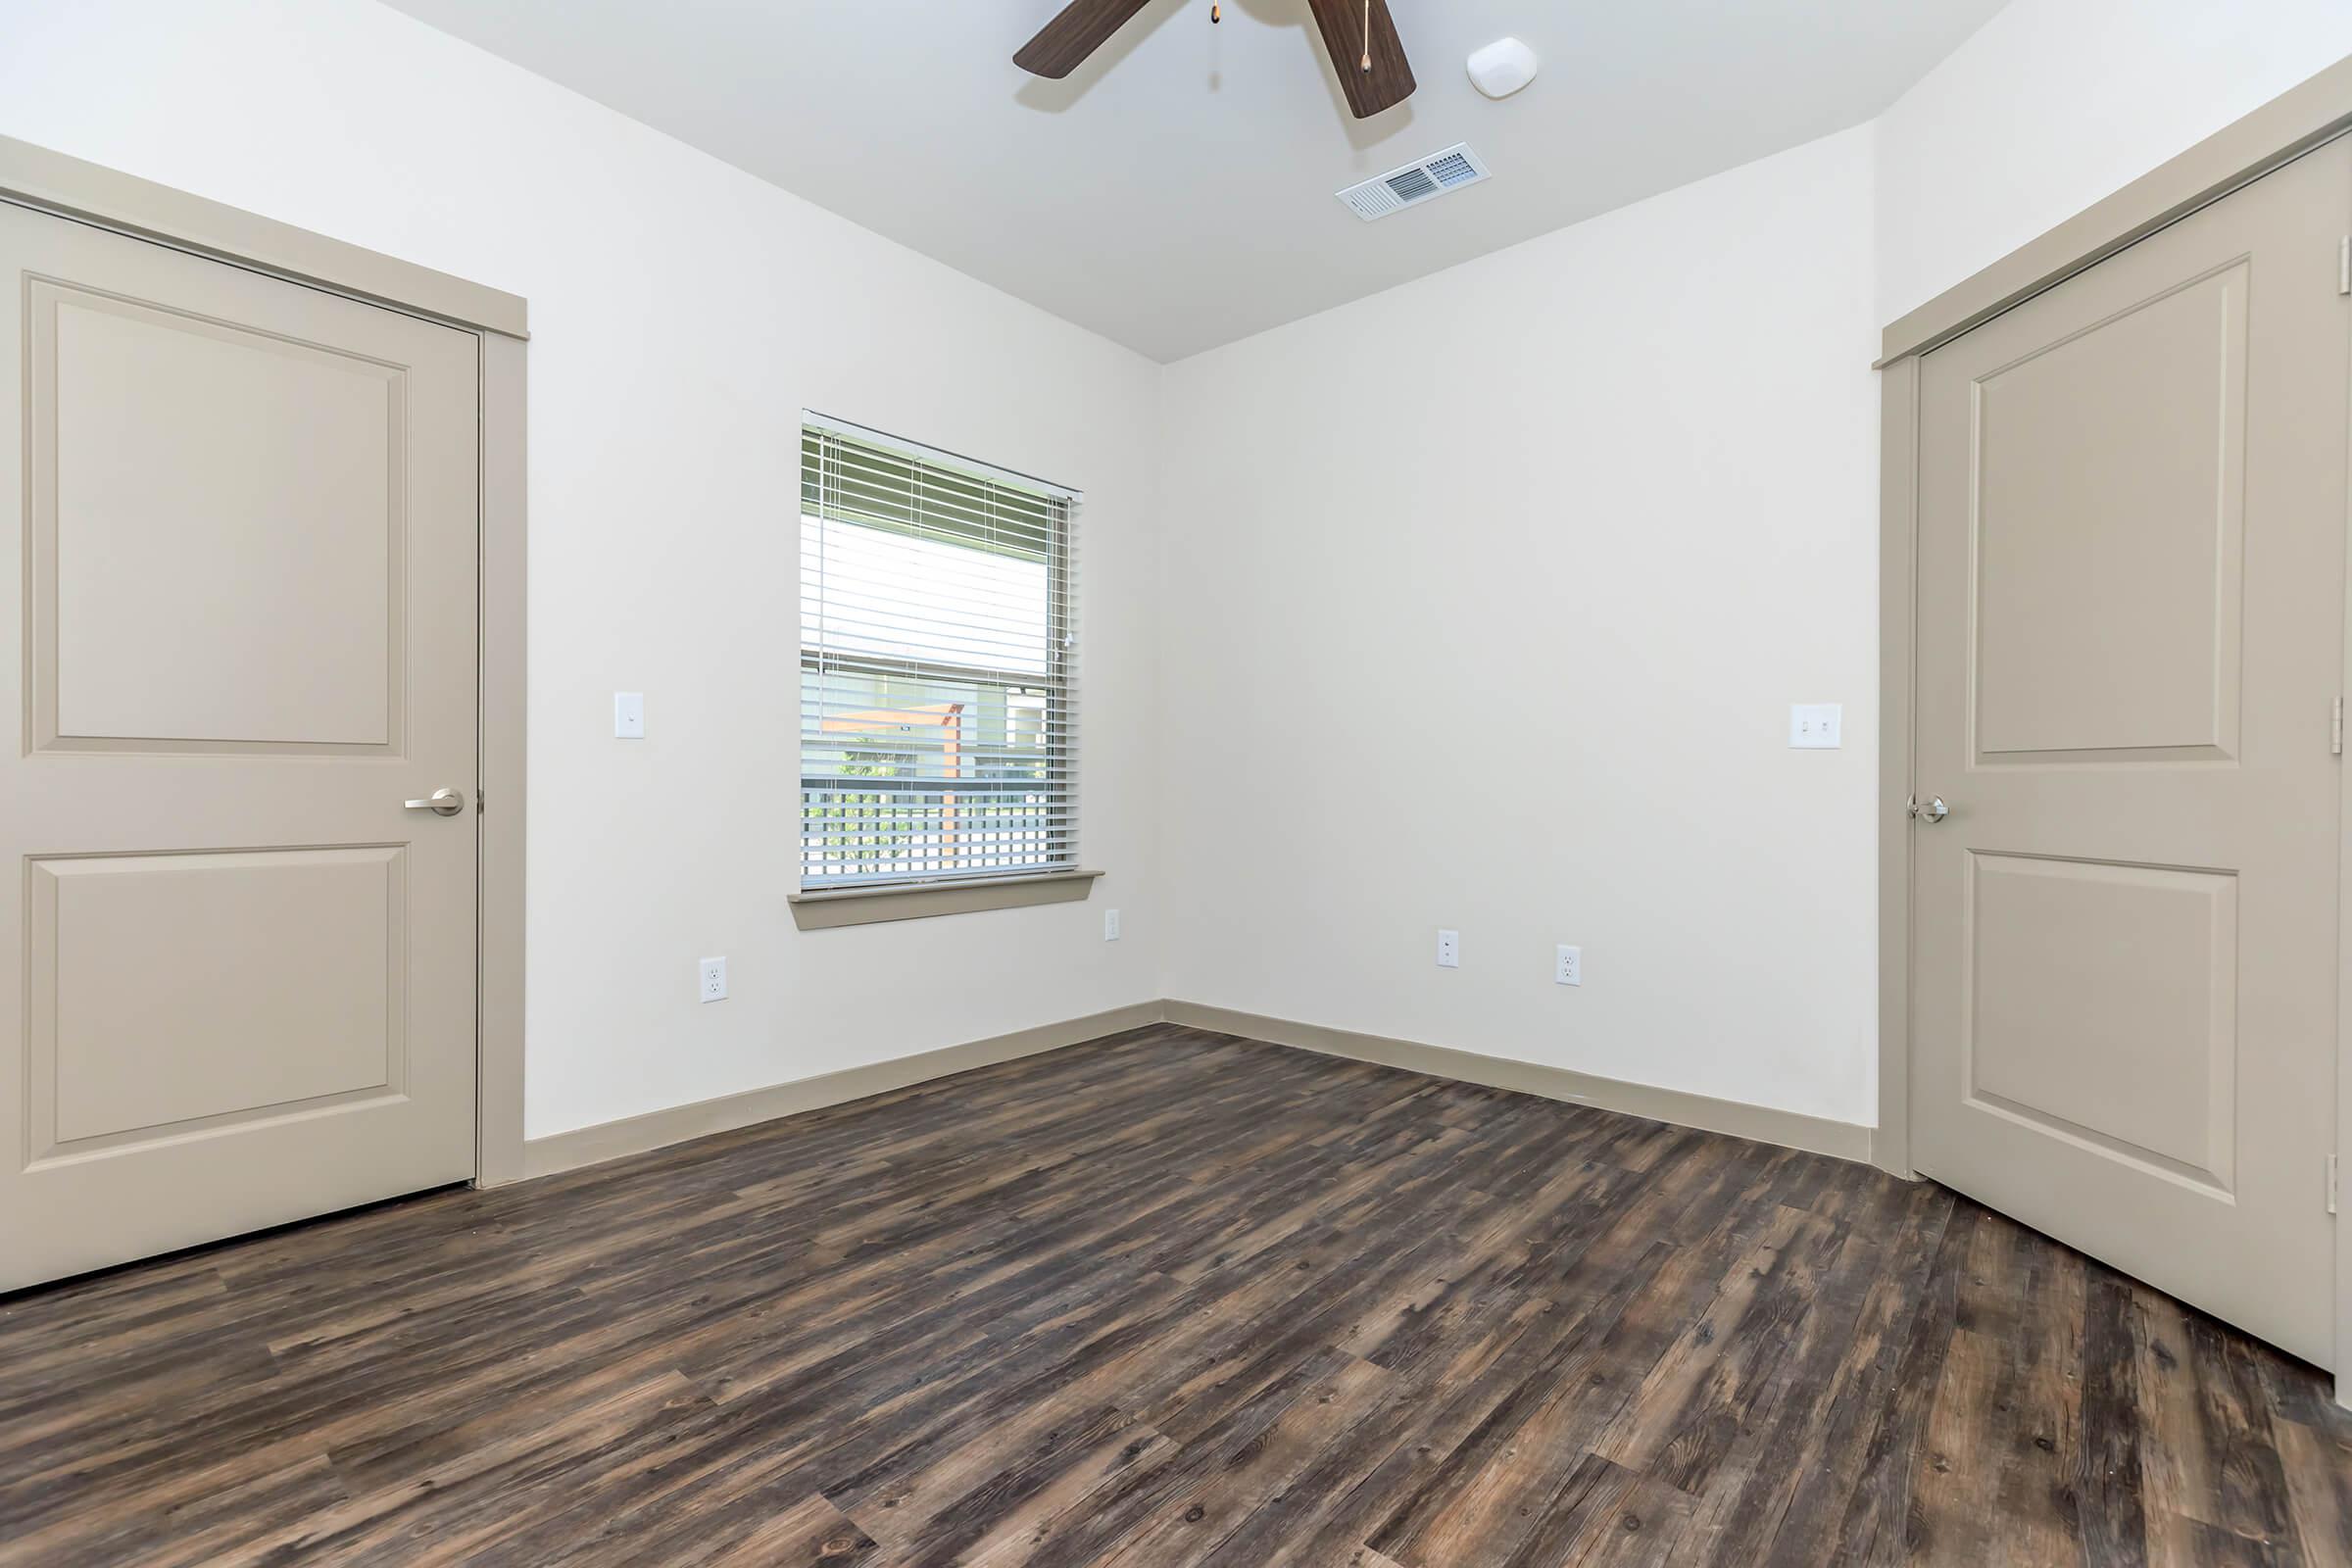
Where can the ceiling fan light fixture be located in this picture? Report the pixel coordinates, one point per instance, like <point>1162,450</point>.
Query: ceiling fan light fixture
<point>1359,36</point>
<point>1503,67</point>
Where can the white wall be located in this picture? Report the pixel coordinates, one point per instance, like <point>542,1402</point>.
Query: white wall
<point>683,313</point>
<point>2055,103</point>
<point>1478,603</point>
<point>1485,602</point>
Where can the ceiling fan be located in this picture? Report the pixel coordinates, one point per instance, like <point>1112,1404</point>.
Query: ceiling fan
<point>1360,34</point>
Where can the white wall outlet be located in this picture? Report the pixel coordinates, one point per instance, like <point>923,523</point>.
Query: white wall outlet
<point>628,715</point>
<point>1567,965</point>
<point>714,980</point>
<point>1450,949</point>
<point>1111,925</point>
<point>1815,726</point>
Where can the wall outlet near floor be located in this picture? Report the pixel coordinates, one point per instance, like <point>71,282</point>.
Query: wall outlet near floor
<point>1111,925</point>
<point>1814,727</point>
<point>1450,949</point>
<point>1568,965</point>
<point>628,715</point>
<point>713,986</point>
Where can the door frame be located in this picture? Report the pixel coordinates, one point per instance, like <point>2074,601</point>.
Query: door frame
<point>67,188</point>
<point>2297,121</point>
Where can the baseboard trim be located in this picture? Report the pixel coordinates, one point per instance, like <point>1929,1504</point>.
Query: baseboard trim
<point>657,1129</point>
<point>1788,1128</point>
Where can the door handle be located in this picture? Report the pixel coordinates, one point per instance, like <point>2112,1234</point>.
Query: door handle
<point>1929,815</point>
<point>441,803</point>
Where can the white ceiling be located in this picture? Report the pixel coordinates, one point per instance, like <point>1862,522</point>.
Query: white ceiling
<point>1175,193</point>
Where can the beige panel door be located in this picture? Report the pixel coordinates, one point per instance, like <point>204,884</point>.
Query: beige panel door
<point>239,580</point>
<point>2130,637</point>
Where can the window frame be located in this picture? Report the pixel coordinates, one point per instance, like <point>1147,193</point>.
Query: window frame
<point>919,895</point>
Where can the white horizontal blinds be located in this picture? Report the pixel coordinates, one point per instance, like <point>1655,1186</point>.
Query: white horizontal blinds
<point>939,729</point>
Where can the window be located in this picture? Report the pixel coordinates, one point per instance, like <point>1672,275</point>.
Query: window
<point>938,720</point>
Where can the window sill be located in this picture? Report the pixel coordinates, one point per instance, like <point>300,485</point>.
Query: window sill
<point>916,900</point>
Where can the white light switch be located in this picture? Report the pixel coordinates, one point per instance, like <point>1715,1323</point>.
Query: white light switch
<point>1111,925</point>
<point>1814,727</point>
<point>628,715</point>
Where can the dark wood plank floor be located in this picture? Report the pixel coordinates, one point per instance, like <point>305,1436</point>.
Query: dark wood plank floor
<point>1171,1299</point>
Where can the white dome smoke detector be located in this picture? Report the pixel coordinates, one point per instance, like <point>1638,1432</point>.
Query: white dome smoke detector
<point>1503,67</point>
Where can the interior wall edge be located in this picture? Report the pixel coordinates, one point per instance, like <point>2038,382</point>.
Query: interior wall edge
<point>559,1152</point>
<point>676,1124</point>
<point>1766,1124</point>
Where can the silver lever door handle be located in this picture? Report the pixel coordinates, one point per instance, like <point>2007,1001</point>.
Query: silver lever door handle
<point>442,803</point>
<point>1931,814</point>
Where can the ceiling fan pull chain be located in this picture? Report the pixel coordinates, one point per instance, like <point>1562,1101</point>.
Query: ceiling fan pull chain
<point>1367,34</point>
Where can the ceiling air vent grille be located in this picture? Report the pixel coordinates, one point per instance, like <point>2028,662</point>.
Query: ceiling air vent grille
<point>1454,168</point>
<point>1457,166</point>
<point>1413,184</point>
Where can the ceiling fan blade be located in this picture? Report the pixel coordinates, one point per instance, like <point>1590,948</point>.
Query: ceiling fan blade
<point>1389,81</point>
<point>1083,27</point>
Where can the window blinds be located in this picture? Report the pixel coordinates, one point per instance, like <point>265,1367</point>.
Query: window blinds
<point>939,721</point>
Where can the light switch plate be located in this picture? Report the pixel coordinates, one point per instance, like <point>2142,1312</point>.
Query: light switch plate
<point>628,715</point>
<point>1815,726</point>
<point>1111,925</point>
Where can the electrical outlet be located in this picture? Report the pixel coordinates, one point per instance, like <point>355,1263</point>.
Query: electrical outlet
<point>628,715</point>
<point>1111,925</point>
<point>1450,949</point>
<point>714,980</point>
<point>1568,965</point>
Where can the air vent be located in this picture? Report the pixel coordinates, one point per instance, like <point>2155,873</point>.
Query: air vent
<point>1457,166</point>
<point>1412,186</point>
